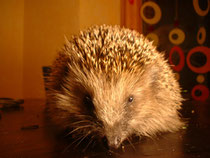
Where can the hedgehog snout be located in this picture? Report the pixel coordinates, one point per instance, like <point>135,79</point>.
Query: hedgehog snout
<point>115,142</point>
<point>111,144</point>
<point>114,136</point>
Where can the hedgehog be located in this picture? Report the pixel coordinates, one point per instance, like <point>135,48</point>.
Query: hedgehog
<point>111,83</point>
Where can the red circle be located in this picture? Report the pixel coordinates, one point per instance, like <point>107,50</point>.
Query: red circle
<point>181,56</point>
<point>204,90</point>
<point>206,52</point>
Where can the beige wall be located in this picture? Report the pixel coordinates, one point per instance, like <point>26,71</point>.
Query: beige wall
<point>11,47</point>
<point>45,24</point>
<point>34,31</point>
<point>99,12</point>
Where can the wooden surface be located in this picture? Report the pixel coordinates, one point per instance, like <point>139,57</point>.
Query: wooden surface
<point>16,141</point>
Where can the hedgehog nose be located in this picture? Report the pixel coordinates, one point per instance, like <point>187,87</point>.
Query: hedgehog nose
<point>111,144</point>
<point>115,144</point>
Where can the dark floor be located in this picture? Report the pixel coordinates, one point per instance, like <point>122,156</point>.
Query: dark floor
<point>24,134</point>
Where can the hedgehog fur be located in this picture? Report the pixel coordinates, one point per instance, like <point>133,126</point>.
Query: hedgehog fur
<point>112,82</point>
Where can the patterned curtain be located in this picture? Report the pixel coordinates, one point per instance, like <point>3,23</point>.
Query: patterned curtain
<point>179,28</point>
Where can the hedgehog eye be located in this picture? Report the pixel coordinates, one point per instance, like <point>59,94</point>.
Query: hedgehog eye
<point>88,103</point>
<point>130,99</point>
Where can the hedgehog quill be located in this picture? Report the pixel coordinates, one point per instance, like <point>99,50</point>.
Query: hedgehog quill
<point>111,83</point>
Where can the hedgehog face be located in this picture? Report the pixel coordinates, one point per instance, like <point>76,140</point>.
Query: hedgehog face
<point>107,105</point>
<point>112,103</point>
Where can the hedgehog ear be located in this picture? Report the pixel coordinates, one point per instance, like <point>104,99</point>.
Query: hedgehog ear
<point>150,75</point>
